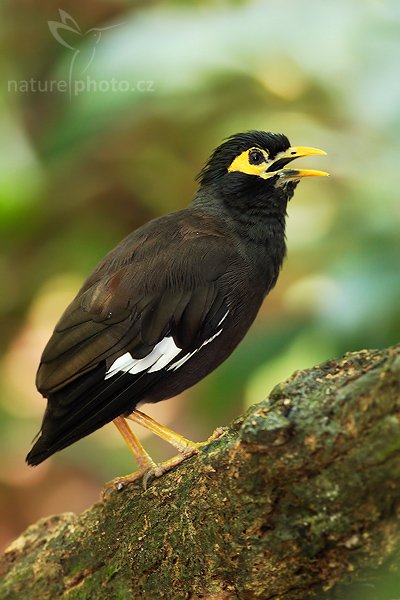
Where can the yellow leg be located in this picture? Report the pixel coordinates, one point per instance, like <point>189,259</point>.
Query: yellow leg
<point>143,459</point>
<point>186,447</point>
<point>147,467</point>
<point>176,440</point>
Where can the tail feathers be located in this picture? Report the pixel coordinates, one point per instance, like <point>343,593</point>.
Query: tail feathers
<point>46,446</point>
<point>84,406</point>
<point>54,436</point>
<point>40,451</point>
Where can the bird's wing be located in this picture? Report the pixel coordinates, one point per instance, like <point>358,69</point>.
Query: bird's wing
<point>171,292</point>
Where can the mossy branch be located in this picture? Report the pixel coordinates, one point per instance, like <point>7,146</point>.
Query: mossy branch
<point>299,498</point>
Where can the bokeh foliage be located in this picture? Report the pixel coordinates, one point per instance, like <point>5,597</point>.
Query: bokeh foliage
<point>79,171</point>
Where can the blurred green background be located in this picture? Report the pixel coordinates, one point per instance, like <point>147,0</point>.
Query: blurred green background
<point>107,115</point>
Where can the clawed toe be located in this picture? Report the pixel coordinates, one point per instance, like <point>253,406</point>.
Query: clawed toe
<point>157,470</point>
<point>117,484</point>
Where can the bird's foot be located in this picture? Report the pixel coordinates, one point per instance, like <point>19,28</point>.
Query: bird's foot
<point>187,451</point>
<point>158,469</point>
<point>117,484</point>
<point>154,470</point>
<point>214,436</point>
<point>169,464</point>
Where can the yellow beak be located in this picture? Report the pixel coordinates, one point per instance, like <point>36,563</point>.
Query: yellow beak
<point>282,159</point>
<point>299,173</point>
<point>299,151</point>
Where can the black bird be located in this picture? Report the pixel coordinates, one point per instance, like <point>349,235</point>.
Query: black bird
<point>171,301</point>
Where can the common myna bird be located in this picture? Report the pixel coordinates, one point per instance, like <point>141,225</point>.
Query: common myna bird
<point>171,301</point>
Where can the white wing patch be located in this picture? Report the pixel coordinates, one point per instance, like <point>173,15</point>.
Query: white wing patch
<point>162,354</point>
<point>160,357</point>
<point>182,360</point>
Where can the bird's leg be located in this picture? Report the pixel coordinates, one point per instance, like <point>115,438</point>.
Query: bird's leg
<point>186,447</point>
<point>143,459</point>
<point>147,467</point>
<point>183,445</point>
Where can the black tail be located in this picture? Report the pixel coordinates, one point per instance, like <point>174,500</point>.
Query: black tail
<point>85,405</point>
<point>40,451</point>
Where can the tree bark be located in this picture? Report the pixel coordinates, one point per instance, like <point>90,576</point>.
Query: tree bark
<point>299,498</point>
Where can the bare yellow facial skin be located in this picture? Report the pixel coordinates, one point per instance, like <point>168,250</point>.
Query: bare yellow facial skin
<point>256,161</point>
<point>242,163</point>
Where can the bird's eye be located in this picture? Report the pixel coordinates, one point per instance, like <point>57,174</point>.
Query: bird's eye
<point>256,157</point>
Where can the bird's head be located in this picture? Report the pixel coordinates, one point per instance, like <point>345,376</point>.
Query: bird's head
<point>253,165</point>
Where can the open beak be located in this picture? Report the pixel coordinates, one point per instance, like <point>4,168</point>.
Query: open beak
<point>295,174</point>
<point>284,158</point>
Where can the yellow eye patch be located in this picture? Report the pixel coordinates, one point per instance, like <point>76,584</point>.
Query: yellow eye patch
<point>250,162</point>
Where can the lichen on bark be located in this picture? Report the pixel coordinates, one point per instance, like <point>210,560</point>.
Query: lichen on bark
<point>299,498</point>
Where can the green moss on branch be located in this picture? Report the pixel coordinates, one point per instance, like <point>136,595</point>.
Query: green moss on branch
<point>298,499</point>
